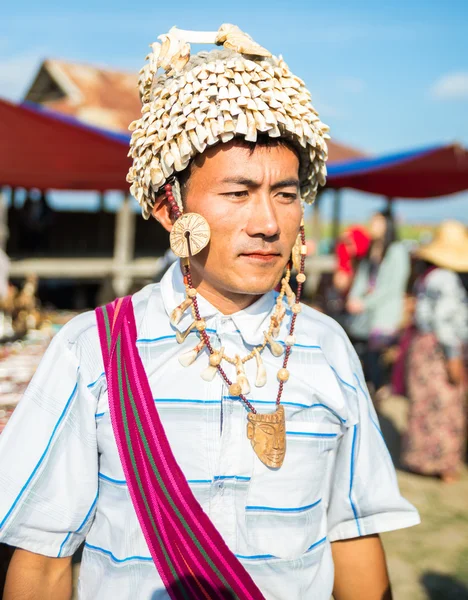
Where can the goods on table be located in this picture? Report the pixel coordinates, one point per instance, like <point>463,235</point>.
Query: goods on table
<point>19,361</point>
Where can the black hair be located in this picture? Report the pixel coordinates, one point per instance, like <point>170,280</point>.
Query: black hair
<point>390,235</point>
<point>464,280</point>
<point>421,265</point>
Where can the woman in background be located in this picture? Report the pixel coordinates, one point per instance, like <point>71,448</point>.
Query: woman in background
<point>375,302</point>
<point>435,441</point>
<point>353,245</point>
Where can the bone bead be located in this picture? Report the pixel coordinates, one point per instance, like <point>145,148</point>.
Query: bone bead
<point>241,378</point>
<point>216,357</point>
<point>182,336</point>
<point>244,384</point>
<point>235,389</point>
<point>290,295</point>
<point>190,357</point>
<point>209,373</point>
<point>283,375</point>
<point>261,377</point>
<point>177,313</point>
<point>275,347</point>
<point>200,325</point>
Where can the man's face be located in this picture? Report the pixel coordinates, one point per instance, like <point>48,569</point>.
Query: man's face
<point>268,441</point>
<point>252,204</point>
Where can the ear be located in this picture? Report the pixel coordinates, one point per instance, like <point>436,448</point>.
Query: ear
<point>162,212</point>
<point>250,431</point>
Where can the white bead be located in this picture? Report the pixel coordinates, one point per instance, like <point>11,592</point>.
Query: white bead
<point>209,373</point>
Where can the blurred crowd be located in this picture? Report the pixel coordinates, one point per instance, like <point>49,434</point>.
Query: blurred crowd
<point>407,316</point>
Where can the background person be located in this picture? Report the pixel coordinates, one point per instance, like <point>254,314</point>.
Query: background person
<point>375,302</point>
<point>352,246</point>
<point>435,441</point>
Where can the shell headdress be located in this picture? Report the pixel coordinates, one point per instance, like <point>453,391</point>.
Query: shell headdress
<point>190,103</point>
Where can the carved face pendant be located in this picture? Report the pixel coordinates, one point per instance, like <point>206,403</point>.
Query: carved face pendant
<point>267,434</point>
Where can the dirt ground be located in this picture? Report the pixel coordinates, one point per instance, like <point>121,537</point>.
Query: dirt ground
<point>430,561</point>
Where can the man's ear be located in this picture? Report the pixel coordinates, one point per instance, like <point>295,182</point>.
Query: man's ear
<point>162,212</point>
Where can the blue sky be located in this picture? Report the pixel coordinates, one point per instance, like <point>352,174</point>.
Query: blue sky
<point>384,76</point>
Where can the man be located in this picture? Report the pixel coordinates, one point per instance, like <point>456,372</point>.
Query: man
<point>209,438</point>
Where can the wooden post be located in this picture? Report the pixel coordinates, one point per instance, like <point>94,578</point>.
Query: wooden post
<point>3,221</point>
<point>336,217</point>
<point>102,199</point>
<point>14,197</point>
<point>124,246</point>
<point>390,205</point>
<point>316,222</point>
<point>101,225</point>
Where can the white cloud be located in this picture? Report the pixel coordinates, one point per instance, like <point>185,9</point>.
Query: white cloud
<point>452,86</point>
<point>16,74</point>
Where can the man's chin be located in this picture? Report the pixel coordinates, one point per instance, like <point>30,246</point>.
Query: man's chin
<point>257,279</point>
<point>256,286</point>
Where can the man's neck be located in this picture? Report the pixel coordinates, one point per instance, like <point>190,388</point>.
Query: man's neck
<point>225,301</point>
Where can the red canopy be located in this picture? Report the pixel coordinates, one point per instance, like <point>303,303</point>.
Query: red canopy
<point>423,173</point>
<point>55,152</point>
<point>47,150</point>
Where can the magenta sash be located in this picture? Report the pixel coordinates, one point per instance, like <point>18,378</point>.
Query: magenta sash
<point>190,555</point>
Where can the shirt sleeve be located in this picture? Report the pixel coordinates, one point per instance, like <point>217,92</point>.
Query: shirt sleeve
<point>365,498</point>
<point>360,283</point>
<point>392,277</point>
<point>48,458</point>
<point>442,309</point>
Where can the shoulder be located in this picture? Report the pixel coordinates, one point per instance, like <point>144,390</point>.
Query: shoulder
<point>443,283</point>
<point>80,335</point>
<point>441,278</point>
<point>320,326</point>
<point>397,251</point>
<point>334,366</point>
<point>84,326</point>
<point>321,331</point>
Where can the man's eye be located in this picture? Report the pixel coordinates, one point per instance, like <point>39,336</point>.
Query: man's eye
<point>289,195</point>
<point>238,194</point>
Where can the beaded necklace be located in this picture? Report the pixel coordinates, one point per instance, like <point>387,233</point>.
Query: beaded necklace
<point>266,432</point>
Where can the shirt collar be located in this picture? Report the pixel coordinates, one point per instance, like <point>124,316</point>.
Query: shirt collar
<point>251,322</point>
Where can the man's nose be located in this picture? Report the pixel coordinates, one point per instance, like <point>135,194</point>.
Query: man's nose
<point>264,220</point>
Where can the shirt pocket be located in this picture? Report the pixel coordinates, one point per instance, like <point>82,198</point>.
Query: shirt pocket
<point>285,509</point>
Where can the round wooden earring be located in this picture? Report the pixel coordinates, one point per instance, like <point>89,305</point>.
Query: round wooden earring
<point>189,235</point>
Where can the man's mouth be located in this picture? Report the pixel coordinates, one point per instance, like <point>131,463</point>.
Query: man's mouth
<point>261,255</point>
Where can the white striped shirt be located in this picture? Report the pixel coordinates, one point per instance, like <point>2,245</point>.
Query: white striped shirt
<point>61,481</point>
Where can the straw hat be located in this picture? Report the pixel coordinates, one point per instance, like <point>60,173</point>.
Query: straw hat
<point>449,248</point>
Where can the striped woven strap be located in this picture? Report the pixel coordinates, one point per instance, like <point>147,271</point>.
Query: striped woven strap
<point>192,558</point>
